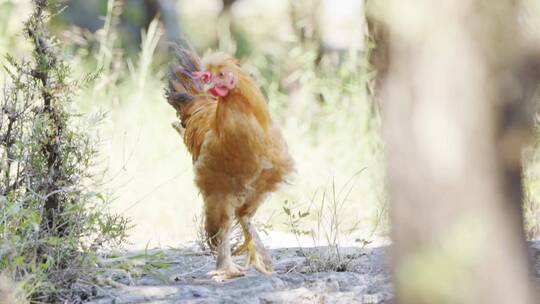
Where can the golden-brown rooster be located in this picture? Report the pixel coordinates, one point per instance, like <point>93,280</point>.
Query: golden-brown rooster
<point>239,154</point>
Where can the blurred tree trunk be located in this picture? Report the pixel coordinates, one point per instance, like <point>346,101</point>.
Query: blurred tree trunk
<point>226,28</point>
<point>136,15</point>
<point>229,36</point>
<point>455,120</point>
<point>169,17</point>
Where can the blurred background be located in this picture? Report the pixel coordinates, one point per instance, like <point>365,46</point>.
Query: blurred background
<point>311,58</point>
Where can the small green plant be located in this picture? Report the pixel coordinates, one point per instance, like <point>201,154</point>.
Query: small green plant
<point>294,217</point>
<point>328,210</point>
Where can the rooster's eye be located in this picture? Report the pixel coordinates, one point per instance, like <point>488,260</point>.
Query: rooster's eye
<point>221,74</point>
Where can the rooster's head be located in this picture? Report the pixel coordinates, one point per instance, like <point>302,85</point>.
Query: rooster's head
<point>220,75</point>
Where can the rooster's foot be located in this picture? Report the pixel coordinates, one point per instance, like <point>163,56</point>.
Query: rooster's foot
<point>227,272</point>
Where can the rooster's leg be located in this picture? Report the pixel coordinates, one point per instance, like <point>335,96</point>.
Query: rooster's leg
<point>247,239</point>
<point>218,225</point>
<point>225,267</point>
<point>256,253</point>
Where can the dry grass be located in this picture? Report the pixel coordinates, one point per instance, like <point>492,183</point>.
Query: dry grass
<point>333,230</point>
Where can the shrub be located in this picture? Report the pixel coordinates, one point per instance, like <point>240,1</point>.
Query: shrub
<point>53,218</point>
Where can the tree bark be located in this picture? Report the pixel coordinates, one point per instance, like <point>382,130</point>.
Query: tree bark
<point>454,122</point>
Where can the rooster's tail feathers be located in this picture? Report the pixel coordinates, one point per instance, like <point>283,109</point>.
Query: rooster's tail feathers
<point>182,83</point>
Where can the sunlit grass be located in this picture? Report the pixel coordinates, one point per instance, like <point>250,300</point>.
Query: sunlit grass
<point>325,111</point>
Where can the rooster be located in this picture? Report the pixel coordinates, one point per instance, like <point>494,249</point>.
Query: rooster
<point>239,155</point>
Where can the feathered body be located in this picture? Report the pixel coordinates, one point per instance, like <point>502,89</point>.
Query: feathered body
<point>239,154</point>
